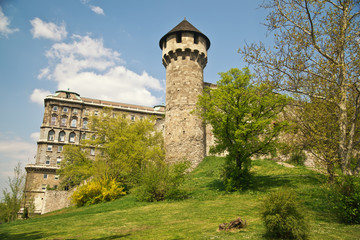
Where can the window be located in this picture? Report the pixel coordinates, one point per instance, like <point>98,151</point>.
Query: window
<point>83,136</point>
<point>72,137</point>
<point>60,148</point>
<point>55,108</point>
<point>114,115</point>
<point>47,162</point>
<point>86,112</point>
<point>56,177</point>
<point>65,109</point>
<point>93,137</point>
<point>73,122</point>
<point>51,135</point>
<point>85,123</point>
<point>49,148</point>
<point>43,187</point>
<point>92,151</point>
<point>63,121</point>
<point>196,38</point>
<point>178,37</point>
<point>53,120</point>
<point>141,118</point>
<point>75,111</point>
<point>96,113</point>
<point>62,136</point>
<point>58,160</point>
<point>45,176</point>
<point>132,118</point>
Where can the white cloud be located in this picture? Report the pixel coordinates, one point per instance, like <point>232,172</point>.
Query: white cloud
<point>43,72</point>
<point>88,68</point>
<point>13,150</point>
<point>35,136</point>
<point>97,10</point>
<point>38,95</point>
<point>48,30</point>
<point>4,25</point>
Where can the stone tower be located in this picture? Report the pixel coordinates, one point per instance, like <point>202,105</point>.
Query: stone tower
<point>184,55</point>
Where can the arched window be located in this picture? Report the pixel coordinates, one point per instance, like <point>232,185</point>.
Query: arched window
<point>51,135</point>
<point>73,122</point>
<point>85,123</point>
<point>72,137</point>
<point>53,120</point>
<point>62,136</point>
<point>63,121</point>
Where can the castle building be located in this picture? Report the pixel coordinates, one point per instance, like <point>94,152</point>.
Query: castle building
<point>66,117</point>
<point>65,122</point>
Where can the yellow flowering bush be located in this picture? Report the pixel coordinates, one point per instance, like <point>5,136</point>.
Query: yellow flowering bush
<point>95,191</point>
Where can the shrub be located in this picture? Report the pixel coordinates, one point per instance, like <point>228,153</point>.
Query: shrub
<point>95,191</point>
<point>298,157</point>
<point>345,198</point>
<point>159,181</point>
<point>283,216</point>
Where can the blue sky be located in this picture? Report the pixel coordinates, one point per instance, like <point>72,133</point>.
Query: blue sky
<point>107,49</point>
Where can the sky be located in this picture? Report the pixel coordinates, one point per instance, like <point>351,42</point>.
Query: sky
<point>104,49</point>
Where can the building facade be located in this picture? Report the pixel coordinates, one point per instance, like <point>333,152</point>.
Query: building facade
<point>65,122</point>
<point>66,117</point>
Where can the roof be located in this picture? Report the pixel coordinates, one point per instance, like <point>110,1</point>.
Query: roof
<point>185,26</point>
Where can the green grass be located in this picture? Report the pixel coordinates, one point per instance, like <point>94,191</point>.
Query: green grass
<point>196,217</point>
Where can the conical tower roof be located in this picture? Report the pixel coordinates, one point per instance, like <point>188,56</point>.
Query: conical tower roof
<point>185,26</point>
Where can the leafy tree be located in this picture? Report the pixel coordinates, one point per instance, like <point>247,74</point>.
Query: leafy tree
<point>76,167</point>
<point>11,202</point>
<point>124,145</point>
<point>245,121</point>
<point>316,60</point>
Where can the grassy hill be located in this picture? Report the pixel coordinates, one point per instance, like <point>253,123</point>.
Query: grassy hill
<point>197,217</point>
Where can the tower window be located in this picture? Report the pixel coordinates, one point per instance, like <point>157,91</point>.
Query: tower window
<point>178,37</point>
<point>196,38</point>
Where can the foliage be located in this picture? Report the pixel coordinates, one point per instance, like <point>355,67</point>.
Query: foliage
<point>95,191</point>
<point>283,216</point>
<point>195,217</point>
<point>345,196</point>
<point>298,157</point>
<point>75,168</point>
<point>11,202</point>
<point>159,181</point>
<point>245,121</point>
<point>125,145</point>
<point>316,60</point>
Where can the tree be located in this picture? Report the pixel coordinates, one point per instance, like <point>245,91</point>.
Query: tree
<point>245,121</point>
<point>316,60</point>
<point>76,167</point>
<point>11,202</point>
<point>124,145</point>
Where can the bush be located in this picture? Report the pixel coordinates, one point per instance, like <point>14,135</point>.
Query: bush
<point>345,198</point>
<point>298,157</point>
<point>95,191</point>
<point>159,181</point>
<point>283,216</point>
<point>235,179</point>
